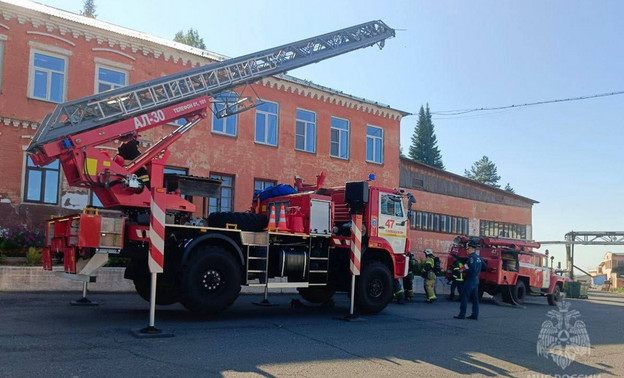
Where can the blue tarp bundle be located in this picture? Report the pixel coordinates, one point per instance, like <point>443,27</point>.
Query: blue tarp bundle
<point>274,191</point>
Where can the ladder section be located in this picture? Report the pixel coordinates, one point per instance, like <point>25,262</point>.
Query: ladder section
<point>108,107</point>
<point>319,267</point>
<point>257,265</point>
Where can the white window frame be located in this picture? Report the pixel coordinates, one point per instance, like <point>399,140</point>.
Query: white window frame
<point>340,136</point>
<point>266,123</point>
<point>112,66</point>
<point>56,52</point>
<point>224,119</point>
<point>381,154</point>
<point>264,183</point>
<point>305,130</point>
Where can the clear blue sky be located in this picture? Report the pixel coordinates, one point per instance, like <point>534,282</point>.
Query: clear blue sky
<point>457,55</point>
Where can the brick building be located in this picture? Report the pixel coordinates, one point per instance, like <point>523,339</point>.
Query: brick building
<point>449,205</point>
<point>613,268</point>
<point>48,56</point>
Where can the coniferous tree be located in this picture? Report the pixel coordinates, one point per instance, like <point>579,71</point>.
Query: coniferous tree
<point>484,171</point>
<point>88,9</point>
<point>191,38</point>
<point>509,188</point>
<point>424,147</point>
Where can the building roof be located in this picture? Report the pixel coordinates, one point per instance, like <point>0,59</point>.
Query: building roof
<point>95,23</point>
<point>105,26</point>
<point>466,180</point>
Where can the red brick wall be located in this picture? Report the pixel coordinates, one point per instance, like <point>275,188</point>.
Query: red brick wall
<point>475,211</point>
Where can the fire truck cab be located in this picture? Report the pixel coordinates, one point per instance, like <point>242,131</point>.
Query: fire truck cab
<point>512,268</point>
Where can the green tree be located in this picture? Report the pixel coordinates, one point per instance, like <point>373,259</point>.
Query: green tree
<point>484,171</point>
<point>191,38</point>
<point>509,188</point>
<point>401,154</point>
<point>88,9</point>
<point>424,147</point>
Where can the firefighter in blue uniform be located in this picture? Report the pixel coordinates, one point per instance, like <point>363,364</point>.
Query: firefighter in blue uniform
<point>472,268</point>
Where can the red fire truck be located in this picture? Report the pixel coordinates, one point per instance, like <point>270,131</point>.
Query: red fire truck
<point>204,262</point>
<point>512,268</point>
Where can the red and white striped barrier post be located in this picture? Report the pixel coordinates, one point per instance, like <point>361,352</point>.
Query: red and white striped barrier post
<point>356,254</point>
<point>156,259</point>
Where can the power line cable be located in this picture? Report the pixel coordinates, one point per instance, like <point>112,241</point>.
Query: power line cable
<point>465,111</point>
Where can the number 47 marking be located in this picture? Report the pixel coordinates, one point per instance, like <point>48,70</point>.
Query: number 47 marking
<point>390,223</point>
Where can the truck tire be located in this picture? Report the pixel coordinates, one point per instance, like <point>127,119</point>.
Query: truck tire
<point>317,294</point>
<point>373,288</point>
<point>165,294</point>
<point>506,293</point>
<point>555,296</point>
<point>210,281</point>
<point>518,292</point>
<point>243,221</point>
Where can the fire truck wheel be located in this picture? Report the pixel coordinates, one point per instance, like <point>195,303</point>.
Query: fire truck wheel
<point>506,293</point>
<point>210,281</point>
<point>165,295</point>
<point>373,288</point>
<point>555,296</point>
<point>518,292</point>
<point>142,279</point>
<point>317,294</point>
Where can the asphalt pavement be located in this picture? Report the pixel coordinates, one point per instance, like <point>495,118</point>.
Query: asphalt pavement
<point>41,335</point>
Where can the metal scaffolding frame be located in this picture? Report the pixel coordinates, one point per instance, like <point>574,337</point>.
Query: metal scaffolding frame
<point>586,238</point>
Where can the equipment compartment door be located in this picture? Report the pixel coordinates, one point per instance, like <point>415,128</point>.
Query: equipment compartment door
<point>545,273</point>
<point>392,221</point>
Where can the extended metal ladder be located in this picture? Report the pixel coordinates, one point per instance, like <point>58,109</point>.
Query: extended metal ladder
<point>108,107</point>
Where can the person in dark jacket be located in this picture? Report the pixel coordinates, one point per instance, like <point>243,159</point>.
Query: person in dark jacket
<point>472,268</point>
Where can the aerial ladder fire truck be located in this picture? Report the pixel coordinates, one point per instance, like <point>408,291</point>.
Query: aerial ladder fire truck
<point>203,262</point>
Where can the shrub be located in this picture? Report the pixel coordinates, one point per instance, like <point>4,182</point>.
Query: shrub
<point>33,256</point>
<point>19,238</point>
<point>3,259</point>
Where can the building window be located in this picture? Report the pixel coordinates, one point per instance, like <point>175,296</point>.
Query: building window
<point>438,223</point>
<point>374,144</point>
<point>108,79</point>
<point>47,76</point>
<point>42,183</point>
<point>266,123</point>
<point>2,39</point>
<point>339,143</point>
<point>260,185</point>
<point>502,230</point>
<point>226,194</point>
<point>305,131</point>
<point>224,104</point>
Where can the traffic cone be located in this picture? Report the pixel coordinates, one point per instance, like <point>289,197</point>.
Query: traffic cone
<point>282,225</point>
<point>272,225</point>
